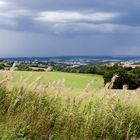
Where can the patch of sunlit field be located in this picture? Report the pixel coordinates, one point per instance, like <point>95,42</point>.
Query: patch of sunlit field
<point>74,81</point>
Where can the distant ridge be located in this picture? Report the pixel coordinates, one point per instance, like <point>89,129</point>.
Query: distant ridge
<point>71,57</point>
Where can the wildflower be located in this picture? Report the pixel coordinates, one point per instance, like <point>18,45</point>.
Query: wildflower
<point>107,85</point>
<point>114,78</point>
<point>113,106</point>
<point>86,90</point>
<point>125,87</point>
<point>110,84</point>
<point>13,66</point>
<point>138,89</point>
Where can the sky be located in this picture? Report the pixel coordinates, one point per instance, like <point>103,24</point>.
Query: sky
<point>45,28</point>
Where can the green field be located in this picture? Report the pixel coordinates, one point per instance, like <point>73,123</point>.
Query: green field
<point>78,81</point>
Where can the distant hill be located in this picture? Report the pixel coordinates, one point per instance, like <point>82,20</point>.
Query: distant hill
<point>64,58</point>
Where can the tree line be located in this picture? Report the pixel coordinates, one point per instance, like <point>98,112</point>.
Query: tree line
<point>127,75</point>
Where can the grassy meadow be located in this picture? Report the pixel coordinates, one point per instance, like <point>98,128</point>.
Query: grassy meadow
<point>77,81</point>
<point>30,110</point>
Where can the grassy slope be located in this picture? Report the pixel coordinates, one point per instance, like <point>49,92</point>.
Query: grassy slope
<point>78,81</point>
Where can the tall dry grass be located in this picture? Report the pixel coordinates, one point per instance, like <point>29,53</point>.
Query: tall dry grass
<point>45,112</point>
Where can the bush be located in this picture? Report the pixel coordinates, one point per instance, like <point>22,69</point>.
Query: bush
<point>2,66</point>
<point>127,76</point>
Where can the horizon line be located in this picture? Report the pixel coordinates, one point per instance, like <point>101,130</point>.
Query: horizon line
<point>10,57</point>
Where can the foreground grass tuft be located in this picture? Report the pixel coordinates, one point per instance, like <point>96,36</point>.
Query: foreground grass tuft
<point>38,112</point>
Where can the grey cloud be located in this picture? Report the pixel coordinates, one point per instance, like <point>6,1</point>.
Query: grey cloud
<point>30,33</point>
<point>21,16</point>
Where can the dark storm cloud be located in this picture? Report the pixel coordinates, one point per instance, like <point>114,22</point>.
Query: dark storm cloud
<point>107,27</point>
<point>47,15</point>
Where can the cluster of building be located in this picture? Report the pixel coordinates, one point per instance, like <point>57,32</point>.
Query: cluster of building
<point>132,64</point>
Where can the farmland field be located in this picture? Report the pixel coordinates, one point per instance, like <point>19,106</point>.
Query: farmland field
<point>77,81</point>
